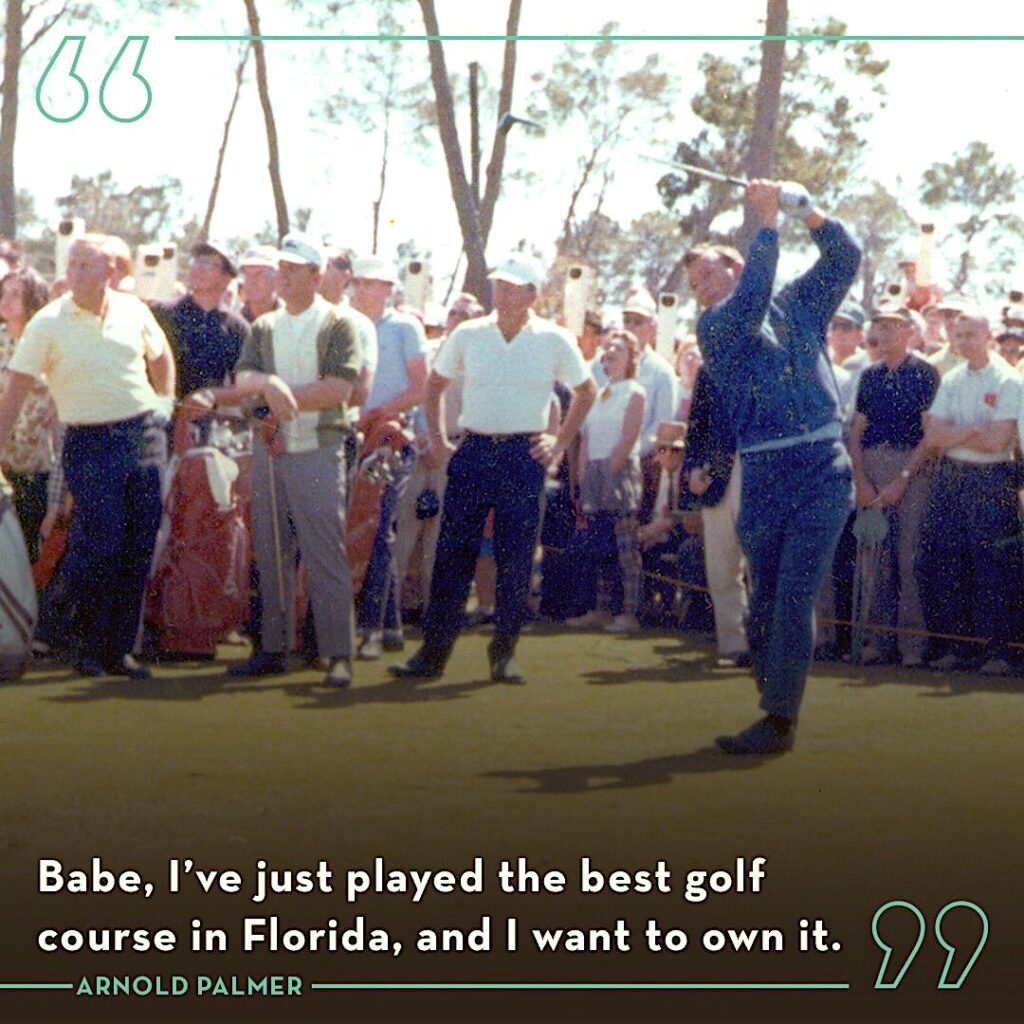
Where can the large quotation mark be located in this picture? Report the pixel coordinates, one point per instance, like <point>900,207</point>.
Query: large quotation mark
<point>104,85</point>
<point>80,40</point>
<point>944,982</point>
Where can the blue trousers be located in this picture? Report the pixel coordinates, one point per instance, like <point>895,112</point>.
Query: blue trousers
<point>113,473</point>
<point>969,559</point>
<point>794,504</point>
<point>485,473</point>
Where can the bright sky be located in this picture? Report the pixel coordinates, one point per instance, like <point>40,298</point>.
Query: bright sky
<point>942,95</point>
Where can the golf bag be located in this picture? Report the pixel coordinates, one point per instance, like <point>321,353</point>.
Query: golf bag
<point>18,608</point>
<point>379,457</point>
<point>199,587</point>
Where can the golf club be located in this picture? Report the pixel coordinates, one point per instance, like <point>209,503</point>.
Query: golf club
<point>792,195</point>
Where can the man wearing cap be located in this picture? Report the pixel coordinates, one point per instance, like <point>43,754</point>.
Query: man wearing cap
<point>302,360</point>
<point>397,389</point>
<point>111,374</point>
<point>969,563</point>
<point>888,453</point>
<point>767,356</point>
<point>259,281</point>
<point>948,309</point>
<point>659,381</point>
<point>1011,344</point>
<point>205,338</point>
<point>419,515</point>
<point>337,278</point>
<point>509,362</point>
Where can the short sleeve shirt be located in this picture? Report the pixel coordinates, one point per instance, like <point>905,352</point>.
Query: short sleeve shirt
<point>400,337</point>
<point>206,342</point>
<point>95,367</point>
<point>979,397</point>
<point>507,385</point>
<point>893,402</point>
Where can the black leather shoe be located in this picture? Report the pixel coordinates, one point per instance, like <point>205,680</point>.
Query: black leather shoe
<point>262,663</point>
<point>129,666</point>
<point>416,667</point>
<point>504,668</point>
<point>90,667</point>
<point>760,738</point>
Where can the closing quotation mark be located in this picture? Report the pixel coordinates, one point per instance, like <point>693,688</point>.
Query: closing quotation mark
<point>104,85</point>
<point>944,982</point>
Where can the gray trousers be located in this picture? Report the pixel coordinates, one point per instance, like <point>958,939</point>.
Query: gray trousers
<point>310,490</point>
<point>896,600</point>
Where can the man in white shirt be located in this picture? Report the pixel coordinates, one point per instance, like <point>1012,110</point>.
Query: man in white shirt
<point>660,384</point>
<point>303,360</point>
<point>110,370</point>
<point>509,362</point>
<point>969,561</point>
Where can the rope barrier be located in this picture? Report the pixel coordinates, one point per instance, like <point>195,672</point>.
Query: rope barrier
<point>870,627</point>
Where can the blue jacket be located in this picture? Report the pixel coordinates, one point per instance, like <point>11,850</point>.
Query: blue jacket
<point>709,440</point>
<point>768,357</point>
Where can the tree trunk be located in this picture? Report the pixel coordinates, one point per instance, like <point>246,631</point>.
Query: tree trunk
<point>497,161</point>
<point>204,231</point>
<point>379,201</point>
<point>9,117</point>
<point>765,133</point>
<point>274,163</point>
<point>462,193</point>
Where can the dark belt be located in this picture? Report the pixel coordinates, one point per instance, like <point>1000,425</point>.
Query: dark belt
<point>97,428</point>
<point>498,437</point>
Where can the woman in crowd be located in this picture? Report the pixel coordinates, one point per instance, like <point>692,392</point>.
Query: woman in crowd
<point>611,485</point>
<point>27,457</point>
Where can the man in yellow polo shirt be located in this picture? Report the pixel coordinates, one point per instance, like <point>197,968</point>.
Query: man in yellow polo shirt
<point>110,371</point>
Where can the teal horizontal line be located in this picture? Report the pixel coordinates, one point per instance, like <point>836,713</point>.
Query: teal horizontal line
<point>587,988</point>
<point>590,38</point>
<point>20,988</point>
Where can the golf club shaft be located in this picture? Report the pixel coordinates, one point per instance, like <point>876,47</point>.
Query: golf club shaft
<point>701,172</point>
<point>792,196</point>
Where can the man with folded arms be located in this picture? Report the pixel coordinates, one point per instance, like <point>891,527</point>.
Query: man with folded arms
<point>303,360</point>
<point>969,562</point>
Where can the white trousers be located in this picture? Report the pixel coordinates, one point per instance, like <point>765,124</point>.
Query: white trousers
<point>726,567</point>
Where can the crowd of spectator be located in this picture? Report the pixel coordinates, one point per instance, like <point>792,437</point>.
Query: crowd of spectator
<point>639,523</point>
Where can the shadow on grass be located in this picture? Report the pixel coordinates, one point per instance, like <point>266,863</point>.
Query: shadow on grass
<point>310,690</point>
<point>938,684</point>
<point>703,668</point>
<point>398,691</point>
<point>654,771</point>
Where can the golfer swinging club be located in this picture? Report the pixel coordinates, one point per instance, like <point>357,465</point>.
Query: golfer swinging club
<point>767,357</point>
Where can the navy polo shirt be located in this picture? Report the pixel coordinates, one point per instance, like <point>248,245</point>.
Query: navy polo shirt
<point>892,402</point>
<point>206,343</point>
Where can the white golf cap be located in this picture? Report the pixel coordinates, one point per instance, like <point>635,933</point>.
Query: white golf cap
<point>374,268</point>
<point>261,256</point>
<point>641,302</point>
<point>298,248</point>
<point>519,268</point>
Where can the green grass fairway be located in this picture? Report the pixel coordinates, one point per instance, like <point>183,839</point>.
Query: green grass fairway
<point>903,786</point>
